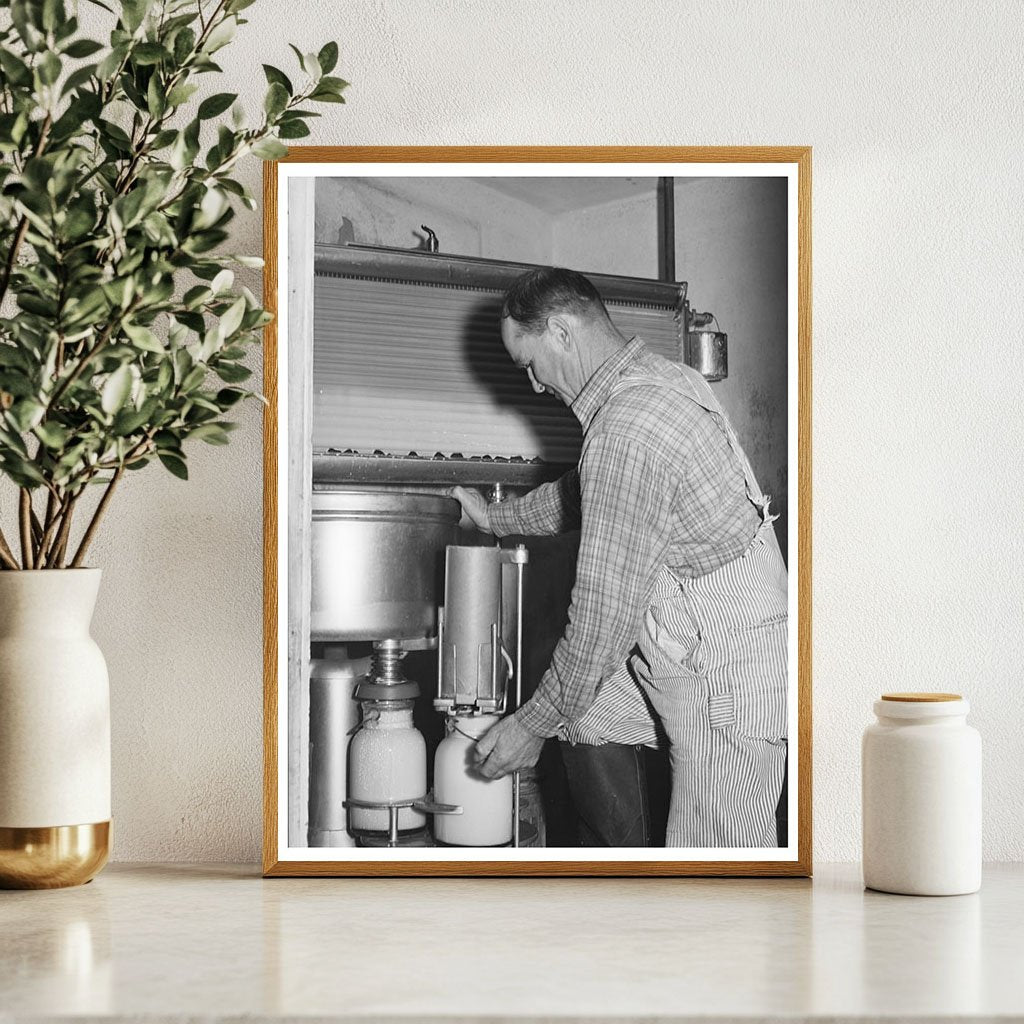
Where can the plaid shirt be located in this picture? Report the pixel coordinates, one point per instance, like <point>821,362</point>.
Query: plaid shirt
<point>657,485</point>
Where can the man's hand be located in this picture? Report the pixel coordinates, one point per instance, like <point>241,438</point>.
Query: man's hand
<point>506,747</point>
<point>474,508</point>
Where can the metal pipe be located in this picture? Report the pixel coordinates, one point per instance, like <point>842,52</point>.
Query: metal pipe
<point>667,225</point>
<point>520,560</point>
<point>419,267</point>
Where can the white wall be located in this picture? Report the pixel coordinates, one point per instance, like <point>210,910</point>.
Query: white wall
<point>913,110</point>
<point>468,218</point>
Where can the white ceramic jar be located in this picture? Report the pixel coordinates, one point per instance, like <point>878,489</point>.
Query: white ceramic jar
<point>486,818</point>
<point>921,789</point>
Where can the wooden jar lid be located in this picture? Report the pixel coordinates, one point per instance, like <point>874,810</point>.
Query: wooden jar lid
<point>921,698</point>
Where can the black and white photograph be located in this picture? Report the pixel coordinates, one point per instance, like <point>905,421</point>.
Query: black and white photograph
<point>537,534</point>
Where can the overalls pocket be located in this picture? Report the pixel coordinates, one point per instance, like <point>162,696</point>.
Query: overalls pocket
<point>748,676</point>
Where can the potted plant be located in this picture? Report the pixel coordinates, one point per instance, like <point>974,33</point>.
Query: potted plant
<point>122,339</point>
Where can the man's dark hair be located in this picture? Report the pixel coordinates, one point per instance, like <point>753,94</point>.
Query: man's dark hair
<point>541,293</point>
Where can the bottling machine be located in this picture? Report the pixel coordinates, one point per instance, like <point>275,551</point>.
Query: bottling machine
<point>386,570</point>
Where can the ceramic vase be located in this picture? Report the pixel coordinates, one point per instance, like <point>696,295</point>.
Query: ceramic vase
<point>54,731</point>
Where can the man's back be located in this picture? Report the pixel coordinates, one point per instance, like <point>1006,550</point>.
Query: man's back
<point>642,399</point>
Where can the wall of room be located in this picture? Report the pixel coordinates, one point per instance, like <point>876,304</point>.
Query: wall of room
<point>916,128</point>
<point>468,218</point>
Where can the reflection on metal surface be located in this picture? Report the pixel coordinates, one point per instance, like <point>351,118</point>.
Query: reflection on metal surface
<point>54,857</point>
<point>377,558</point>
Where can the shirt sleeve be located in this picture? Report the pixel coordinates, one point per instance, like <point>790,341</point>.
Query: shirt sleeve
<point>548,509</point>
<point>627,497</point>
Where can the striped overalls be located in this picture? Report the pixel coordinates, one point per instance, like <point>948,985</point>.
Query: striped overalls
<point>712,666</point>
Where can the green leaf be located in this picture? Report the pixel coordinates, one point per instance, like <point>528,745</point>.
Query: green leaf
<point>133,12</point>
<point>222,281</point>
<point>221,35</point>
<point>21,471</point>
<point>49,68</point>
<point>269,149</point>
<point>232,319</point>
<point>232,373</point>
<point>175,465</point>
<point>12,356</point>
<point>129,421</point>
<point>311,65</point>
<point>53,14</point>
<point>184,44</point>
<point>163,139</point>
<point>156,100</point>
<point>129,207</point>
<point>328,58</point>
<point>193,379</point>
<point>53,435</point>
<point>276,99</point>
<point>28,25</point>
<point>83,48</point>
<point>164,376</point>
<point>14,68</point>
<point>211,433</point>
<point>37,304</point>
<point>149,53</point>
<point>78,78</point>
<point>325,96</point>
<point>26,414</point>
<point>116,133</point>
<point>195,296</point>
<point>181,94</point>
<point>109,65</point>
<point>214,105</point>
<point>144,338</point>
<point>292,130</point>
<point>275,76</point>
<point>116,390</point>
<point>334,84</point>
<point>227,397</point>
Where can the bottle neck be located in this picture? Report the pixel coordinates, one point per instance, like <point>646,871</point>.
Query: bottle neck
<point>383,716</point>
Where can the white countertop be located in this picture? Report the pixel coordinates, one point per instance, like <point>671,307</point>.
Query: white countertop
<point>173,942</point>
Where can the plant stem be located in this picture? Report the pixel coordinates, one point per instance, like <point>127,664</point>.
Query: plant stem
<point>19,234</point>
<point>6,555</point>
<point>51,508</point>
<point>54,509</point>
<point>25,521</point>
<point>96,517</point>
<point>85,359</point>
<point>37,532</point>
<point>61,542</point>
<point>12,255</point>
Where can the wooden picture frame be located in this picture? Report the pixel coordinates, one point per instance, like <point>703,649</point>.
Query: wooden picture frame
<point>288,478</point>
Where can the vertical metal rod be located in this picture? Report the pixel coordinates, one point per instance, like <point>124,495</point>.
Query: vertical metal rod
<point>667,224</point>
<point>440,652</point>
<point>392,825</point>
<point>495,656</point>
<point>519,693</point>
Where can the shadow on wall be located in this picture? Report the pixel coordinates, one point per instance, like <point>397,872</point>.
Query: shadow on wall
<point>508,388</point>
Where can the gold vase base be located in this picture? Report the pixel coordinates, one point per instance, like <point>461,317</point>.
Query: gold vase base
<point>52,857</point>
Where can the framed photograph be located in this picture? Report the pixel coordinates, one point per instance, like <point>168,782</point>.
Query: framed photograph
<point>537,499</point>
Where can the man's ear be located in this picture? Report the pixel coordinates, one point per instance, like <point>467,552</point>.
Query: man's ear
<point>561,331</point>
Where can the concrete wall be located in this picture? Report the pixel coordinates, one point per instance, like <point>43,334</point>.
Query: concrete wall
<point>914,115</point>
